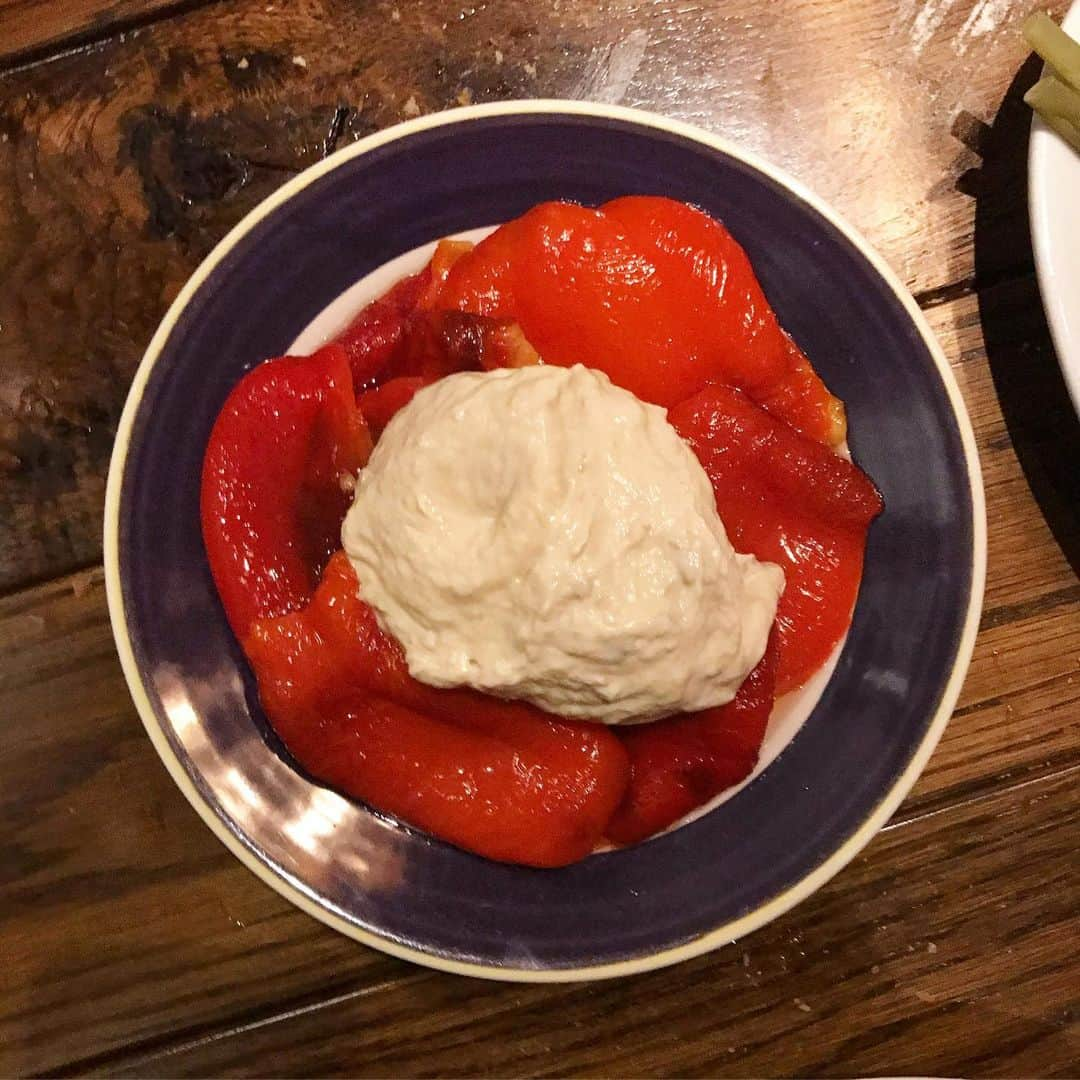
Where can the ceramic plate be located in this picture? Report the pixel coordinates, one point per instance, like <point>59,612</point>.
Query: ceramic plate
<point>1054,202</point>
<point>845,756</point>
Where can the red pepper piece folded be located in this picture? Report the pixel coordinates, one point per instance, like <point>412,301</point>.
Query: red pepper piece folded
<point>380,404</point>
<point>271,514</point>
<point>499,778</point>
<point>374,337</point>
<point>789,500</point>
<point>655,293</point>
<point>679,764</point>
<point>542,804</point>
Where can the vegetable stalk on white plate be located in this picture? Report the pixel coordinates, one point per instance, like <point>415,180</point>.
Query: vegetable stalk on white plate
<point>1056,96</point>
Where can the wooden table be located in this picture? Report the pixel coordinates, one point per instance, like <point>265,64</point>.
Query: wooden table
<point>133,133</point>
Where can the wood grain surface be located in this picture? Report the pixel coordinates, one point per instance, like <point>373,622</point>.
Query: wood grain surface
<point>880,972</point>
<point>133,943</point>
<point>30,28</point>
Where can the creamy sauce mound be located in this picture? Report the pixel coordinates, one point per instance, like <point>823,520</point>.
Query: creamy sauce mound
<point>540,534</point>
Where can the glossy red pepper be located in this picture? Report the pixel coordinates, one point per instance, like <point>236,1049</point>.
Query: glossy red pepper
<point>380,404</point>
<point>663,299</point>
<point>655,293</point>
<point>375,336</point>
<point>537,805</point>
<point>680,763</point>
<point>499,778</point>
<point>391,338</point>
<point>789,500</point>
<point>272,500</point>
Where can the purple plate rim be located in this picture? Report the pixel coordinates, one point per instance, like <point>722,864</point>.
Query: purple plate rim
<point>729,931</point>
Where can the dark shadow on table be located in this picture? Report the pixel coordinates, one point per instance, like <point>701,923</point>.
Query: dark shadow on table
<point>1038,412</point>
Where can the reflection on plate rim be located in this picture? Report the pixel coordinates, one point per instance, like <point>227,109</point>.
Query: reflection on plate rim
<point>735,928</point>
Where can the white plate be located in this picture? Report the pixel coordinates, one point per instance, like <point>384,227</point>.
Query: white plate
<point>1054,203</point>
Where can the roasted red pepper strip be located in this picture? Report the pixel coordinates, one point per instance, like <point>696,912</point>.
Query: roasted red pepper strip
<point>727,315</point>
<point>653,292</point>
<point>370,341</point>
<point>381,403</point>
<point>307,658</point>
<point>789,500</point>
<point>678,764</point>
<point>272,500</point>
<point>374,337</point>
<point>328,676</point>
<point>441,343</point>
<point>543,805</point>
<point>447,253</point>
<point>387,339</point>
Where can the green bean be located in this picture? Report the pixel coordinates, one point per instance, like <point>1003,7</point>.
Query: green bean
<point>1056,96</point>
<point>1059,107</point>
<point>1051,95</point>
<point>1054,46</point>
<point>1069,132</point>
